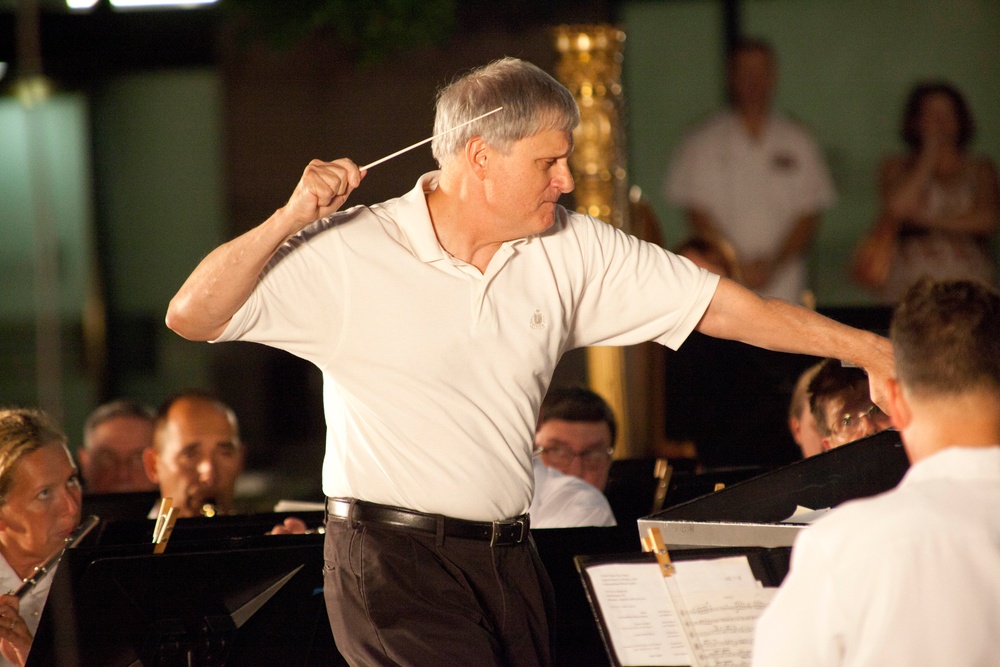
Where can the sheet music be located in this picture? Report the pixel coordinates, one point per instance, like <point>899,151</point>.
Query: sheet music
<point>639,615</point>
<point>714,602</point>
<point>724,622</point>
<point>695,576</point>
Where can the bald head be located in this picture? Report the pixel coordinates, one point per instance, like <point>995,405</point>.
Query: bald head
<point>197,454</point>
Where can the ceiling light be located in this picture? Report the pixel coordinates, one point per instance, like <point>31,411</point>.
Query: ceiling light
<point>133,4</point>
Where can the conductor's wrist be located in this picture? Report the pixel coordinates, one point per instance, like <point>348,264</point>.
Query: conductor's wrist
<point>288,223</point>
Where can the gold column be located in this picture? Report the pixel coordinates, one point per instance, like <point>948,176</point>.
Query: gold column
<point>590,58</point>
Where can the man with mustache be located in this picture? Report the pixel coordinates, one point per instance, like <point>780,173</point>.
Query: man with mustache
<point>196,454</point>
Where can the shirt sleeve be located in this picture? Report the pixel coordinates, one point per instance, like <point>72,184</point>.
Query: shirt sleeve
<point>634,291</point>
<point>298,299</point>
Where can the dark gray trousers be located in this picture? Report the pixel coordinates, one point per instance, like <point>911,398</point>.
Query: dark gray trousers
<point>400,597</point>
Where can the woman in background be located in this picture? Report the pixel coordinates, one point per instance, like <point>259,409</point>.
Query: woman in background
<point>939,204</point>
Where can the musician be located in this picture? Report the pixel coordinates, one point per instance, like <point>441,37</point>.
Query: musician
<point>39,508</point>
<point>114,437</point>
<point>841,405</point>
<point>196,454</point>
<point>576,433</point>
<point>909,577</point>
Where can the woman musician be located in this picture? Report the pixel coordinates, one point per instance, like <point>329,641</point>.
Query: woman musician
<point>39,510</point>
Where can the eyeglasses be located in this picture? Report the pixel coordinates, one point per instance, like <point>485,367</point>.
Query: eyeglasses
<point>852,424</point>
<point>106,459</point>
<point>562,457</point>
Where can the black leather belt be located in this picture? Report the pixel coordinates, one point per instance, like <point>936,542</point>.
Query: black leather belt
<point>510,531</point>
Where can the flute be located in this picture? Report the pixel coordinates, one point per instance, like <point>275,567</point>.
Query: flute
<point>81,531</point>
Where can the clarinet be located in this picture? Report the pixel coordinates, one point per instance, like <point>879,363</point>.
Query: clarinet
<point>81,531</point>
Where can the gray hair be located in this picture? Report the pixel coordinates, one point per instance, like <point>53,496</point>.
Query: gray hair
<point>532,102</point>
<point>121,408</point>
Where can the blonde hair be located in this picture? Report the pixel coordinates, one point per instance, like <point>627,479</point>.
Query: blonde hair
<point>22,431</point>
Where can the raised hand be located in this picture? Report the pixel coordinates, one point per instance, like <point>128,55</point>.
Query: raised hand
<point>323,188</point>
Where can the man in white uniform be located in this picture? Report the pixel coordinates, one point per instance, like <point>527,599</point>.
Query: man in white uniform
<point>755,178</point>
<point>437,320</point>
<point>566,501</point>
<point>910,577</point>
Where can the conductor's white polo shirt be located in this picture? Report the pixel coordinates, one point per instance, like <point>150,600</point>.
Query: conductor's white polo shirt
<point>433,372</point>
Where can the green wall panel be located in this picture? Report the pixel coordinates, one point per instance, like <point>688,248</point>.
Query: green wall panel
<point>845,69</point>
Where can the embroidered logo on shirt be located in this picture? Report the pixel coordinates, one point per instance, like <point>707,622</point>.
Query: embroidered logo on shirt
<point>538,320</point>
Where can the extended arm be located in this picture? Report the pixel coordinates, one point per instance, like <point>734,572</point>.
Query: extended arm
<point>738,314</point>
<point>220,284</point>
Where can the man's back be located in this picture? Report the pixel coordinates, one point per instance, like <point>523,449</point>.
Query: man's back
<point>892,569</point>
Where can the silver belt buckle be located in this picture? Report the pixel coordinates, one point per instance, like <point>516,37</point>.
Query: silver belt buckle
<point>497,525</point>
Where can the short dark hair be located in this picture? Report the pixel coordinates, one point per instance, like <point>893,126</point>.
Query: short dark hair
<point>123,407</point>
<point>577,404</point>
<point>946,337</point>
<point>833,379</point>
<point>911,112</point>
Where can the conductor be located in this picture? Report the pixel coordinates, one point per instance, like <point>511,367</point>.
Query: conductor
<point>437,319</point>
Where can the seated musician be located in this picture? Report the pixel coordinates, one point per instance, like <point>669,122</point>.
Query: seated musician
<point>841,404</point>
<point>114,438</point>
<point>574,440</point>
<point>196,455</point>
<point>909,577</point>
<point>39,509</point>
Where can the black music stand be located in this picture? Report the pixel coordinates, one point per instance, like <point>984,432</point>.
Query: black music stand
<point>239,601</point>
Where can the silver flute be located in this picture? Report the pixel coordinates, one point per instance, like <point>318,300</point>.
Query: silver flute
<point>81,531</point>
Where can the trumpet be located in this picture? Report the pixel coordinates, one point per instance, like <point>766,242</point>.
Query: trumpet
<point>39,573</point>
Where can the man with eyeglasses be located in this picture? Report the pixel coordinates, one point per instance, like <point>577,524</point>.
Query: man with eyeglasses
<point>576,434</point>
<point>574,439</point>
<point>114,437</point>
<point>841,405</point>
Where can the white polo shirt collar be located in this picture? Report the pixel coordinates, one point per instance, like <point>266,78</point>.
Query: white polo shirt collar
<point>414,221</point>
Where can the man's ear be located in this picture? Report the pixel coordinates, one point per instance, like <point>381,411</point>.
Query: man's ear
<point>149,463</point>
<point>84,457</point>
<point>477,156</point>
<point>899,409</point>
